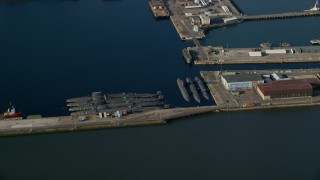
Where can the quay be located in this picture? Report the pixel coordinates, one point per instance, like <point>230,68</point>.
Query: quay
<point>263,89</point>
<point>280,16</point>
<point>63,124</point>
<point>159,9</point>
<point>219,55</point>
<point>71,123</point>
<point>192,19</point>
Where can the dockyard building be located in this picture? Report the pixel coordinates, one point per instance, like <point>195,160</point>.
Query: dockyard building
<point>241,81</point>
<point>288,88</point>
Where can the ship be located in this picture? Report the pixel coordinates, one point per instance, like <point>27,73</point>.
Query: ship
<point>315,41</point>
<point>202,88</point>
<point>315,7</point>
<point>183,89</point>
<point>266,45</point>
<point>193,90</point>
<point>101,102</point>
<point>285,44</point>
<point>11,113</point>
<point>79,99</point>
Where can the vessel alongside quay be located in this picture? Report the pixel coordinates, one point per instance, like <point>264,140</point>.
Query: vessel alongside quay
<point>122,103</point>
<point>202,87</point>
<point>183,89</point>
<point>193,90</point>
<point>315,41</point>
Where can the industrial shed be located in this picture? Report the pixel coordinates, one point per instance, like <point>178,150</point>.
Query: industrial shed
<point>305,49</point>
<point>287,89</point>
<point>241,81</point>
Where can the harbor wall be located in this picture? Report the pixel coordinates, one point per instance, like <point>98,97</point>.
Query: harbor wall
<point>180,113</point>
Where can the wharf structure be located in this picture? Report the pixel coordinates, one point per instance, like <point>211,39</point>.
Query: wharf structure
<point>231,90</point>
<point>72,123</point>
<point>193,18</point>
<point>219,55</point>
<point>264,88</point>
<point>159,9</point>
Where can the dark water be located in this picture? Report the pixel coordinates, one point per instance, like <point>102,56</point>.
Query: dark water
<point>52,50</point>
<point>278,144</point>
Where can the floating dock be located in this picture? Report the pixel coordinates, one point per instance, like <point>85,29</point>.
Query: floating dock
<point>159,9</point>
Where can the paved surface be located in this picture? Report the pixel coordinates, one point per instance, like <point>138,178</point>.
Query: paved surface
<point>211,55</point>
<point>282,15</point>
<point>55,123</point>
<point>158,9</point>
<point>250,98</point>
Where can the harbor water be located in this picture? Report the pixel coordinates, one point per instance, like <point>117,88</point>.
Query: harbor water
<point>52,50</point>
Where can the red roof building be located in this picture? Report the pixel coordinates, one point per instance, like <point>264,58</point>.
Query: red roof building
<point>287,88</point>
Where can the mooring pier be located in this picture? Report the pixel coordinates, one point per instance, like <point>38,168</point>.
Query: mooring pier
<point>280,16</point>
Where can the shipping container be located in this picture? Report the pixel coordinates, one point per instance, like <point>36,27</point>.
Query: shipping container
<point>255,54</point>
<point>276,51</point>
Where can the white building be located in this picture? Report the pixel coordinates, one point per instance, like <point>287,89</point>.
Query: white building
<point>205,20</point>
<point>230,20</point>
<point>241,81</point>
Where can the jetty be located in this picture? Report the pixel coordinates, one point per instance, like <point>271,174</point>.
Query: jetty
<point>280,16</point>
<point>209,55</point>
<point>263,89</point>
<point>159,9</point>
<point>74,123</point>
<point>192,19</point>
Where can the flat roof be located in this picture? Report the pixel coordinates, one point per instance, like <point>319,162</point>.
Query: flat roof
<point>242,78</point>
<point>288,86</point>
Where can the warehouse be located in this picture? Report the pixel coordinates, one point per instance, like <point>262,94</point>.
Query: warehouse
<point>287,89</point>
<point>205,20</point>
<point>241,81</point>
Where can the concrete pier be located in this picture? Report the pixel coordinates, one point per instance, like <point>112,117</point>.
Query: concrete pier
<point>280,16</point>
<point>244,98</point>
<point>72,123</point>
<point>192,19</point>
<point>218,55</point>
<point>159,9</point>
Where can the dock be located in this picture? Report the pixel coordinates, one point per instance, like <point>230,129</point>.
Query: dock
<point>63,124</point>
<point>243,89</point>
<point>185,30</point>
<point>159,9</point>
<point>72,123</point>
<point>236,90</point>
<point>276,55</point>
<point>280,16</point>
<point>192,19</point>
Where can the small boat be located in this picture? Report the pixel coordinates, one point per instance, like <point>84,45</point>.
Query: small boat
<point>315,7</point>
<point>285,44</point>
<point>11,113</point>
<point>266,45</point>
<point>315,41</point>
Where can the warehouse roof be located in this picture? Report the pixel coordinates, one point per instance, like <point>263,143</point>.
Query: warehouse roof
<point>242,78</point>
<point>288,86</point>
